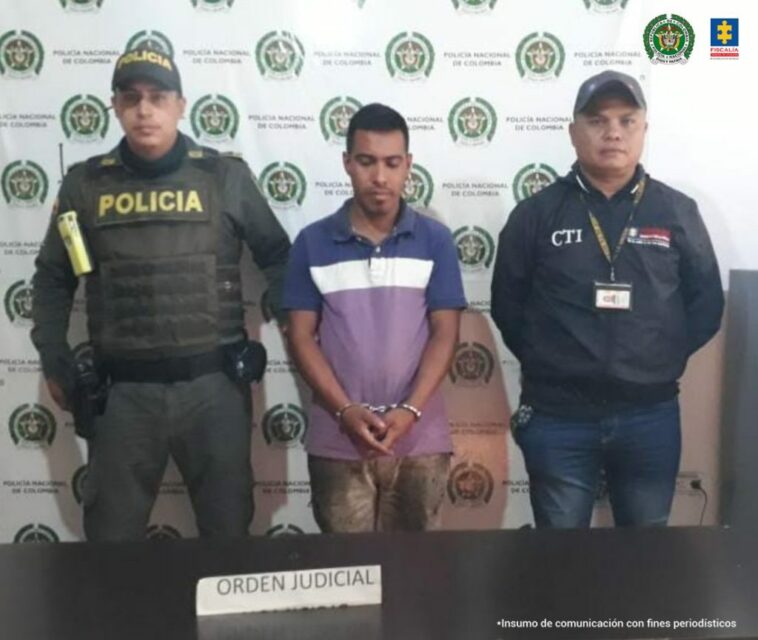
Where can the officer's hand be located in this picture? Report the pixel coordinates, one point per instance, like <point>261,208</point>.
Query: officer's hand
<point>56,393</point>
<point>365,428</point>
<point>399,422</point>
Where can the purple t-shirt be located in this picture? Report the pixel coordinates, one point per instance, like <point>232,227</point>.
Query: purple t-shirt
<point>374,303</point>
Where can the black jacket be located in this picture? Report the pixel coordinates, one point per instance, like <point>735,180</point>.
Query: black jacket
<point>575,359</point>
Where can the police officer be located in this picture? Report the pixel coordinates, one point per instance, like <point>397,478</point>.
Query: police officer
<point>163,220</point>
<point>605,283</point>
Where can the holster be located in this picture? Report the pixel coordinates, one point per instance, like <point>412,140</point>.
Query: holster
<point>89,397</point>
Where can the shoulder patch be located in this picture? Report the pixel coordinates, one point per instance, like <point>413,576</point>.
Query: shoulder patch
<point>195,154</point>
<point>234,155</point>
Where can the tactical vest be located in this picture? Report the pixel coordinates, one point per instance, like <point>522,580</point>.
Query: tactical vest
<point>158,290</point>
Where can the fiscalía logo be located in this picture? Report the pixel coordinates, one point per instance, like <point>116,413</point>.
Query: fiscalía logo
<point>24,184</point>
<point>81,5</point>
<point>409,56</point>
<point>284,425</point>
<point>540,56</point>
<point>472,121</point>
<point>476,249</point>
<point>21,54</point>
<point>32,426</point>
<point>162,532</point>
<point>284,530</point>
<point>77,483</point>
<point>213,5</point>
<point>18,303</point>
<point>605,6</point>
<point>84,119</point>
<point>284,184</point>
<point>214,118</point>
<point>419,187</point>
<point>474,6</point>
<point>669,39</point>
<point>150,39</point>
<point>280,55</point>
<point>725,38</point>
<point>532,179</point>
<point>472,366</point>
<point>335,118</point>
<point>34,533</point>
<point>470,484</point>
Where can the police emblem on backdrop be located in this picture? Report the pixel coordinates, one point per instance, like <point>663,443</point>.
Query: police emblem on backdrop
<point>409,56</point>
<point>34,533</point>
<point>32,426</point>
<point>162,532</point>
<point>212,5</point>
<point>283,184</point>
<point>81,5</point>
<point>335,118</point>
<point>21,54</point>
<point>532,179</point>
<point>77,483</point>
<point>150,39</point>
<point>284,425</point>
<point>470,484</point>
<point>669,40</point>
<point>474,6</point>
<point>24,184</point>
<point>214,119</point>
<point>280,55</point>
<point>472,121</point>
<point>419,187</point>
<point>605,6</point>
<point>284,530</point>
<point>18,303</point>
<point>472,366</point>
<point>540,56</point>
<point>476,249</point>
<point>84,119</point>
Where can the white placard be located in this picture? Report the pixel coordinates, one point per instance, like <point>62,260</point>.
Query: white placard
<point>283,590</point>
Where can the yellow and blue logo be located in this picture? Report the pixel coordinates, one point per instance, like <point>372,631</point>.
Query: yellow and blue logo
<point>725,38</point>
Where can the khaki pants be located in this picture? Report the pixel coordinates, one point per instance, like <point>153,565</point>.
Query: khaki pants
<point>379,494</point>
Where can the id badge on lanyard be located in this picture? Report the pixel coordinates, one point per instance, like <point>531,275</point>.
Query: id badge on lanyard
<point>614,295</point>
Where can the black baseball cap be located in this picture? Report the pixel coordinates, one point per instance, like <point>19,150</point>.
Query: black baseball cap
<point>146,64</point>
<point>607,82</point>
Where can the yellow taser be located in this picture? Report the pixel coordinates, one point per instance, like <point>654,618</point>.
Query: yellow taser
<point>68,227</point>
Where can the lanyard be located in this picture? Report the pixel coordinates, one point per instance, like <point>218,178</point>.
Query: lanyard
<point>601,239</point>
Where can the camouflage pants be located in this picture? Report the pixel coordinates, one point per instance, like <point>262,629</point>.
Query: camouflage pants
<point>204,424</point>
<point>380,494</point>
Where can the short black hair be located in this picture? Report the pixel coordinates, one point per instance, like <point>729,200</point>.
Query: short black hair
<point>376,117</point>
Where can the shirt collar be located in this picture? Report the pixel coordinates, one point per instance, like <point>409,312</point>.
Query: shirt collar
<point>342,230</point>
<point>577,177</point>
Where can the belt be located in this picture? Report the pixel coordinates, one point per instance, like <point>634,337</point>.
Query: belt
<point>165,370</point>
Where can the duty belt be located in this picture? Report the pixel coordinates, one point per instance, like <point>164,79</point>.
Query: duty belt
<point>165,370</point>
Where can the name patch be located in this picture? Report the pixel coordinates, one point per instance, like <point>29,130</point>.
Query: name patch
<point>307,589</point>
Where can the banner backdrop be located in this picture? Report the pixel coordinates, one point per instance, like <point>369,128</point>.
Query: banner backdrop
<point>487,87</point>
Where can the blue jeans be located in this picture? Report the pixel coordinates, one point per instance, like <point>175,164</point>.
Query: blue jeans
<point>637,449</point>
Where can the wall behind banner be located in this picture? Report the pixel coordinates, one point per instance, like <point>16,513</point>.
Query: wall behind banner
<point>487,87</point>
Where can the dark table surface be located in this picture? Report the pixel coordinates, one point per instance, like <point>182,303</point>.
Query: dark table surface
<point>445,585</point>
